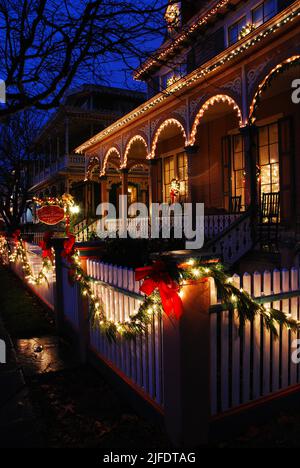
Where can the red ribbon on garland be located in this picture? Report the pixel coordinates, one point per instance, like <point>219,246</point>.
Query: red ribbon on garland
<point>155,277</point>
<point>69,251</point>
<point>16,235</point>
<point>46,247</point>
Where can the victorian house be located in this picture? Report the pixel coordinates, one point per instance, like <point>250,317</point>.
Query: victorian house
<point>220,123</point>
<point>83,112</point>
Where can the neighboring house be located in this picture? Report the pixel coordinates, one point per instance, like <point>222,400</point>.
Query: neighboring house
<point>220,118</point>
<point>83,112</point>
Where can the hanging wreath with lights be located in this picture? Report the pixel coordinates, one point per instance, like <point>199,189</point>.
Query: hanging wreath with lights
<point>247,29</point>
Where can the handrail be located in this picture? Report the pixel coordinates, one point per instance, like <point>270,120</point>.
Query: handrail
<point>230,228</point>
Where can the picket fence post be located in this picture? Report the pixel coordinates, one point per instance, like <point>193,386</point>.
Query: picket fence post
<point>58,245</point>
<point>186,359</point>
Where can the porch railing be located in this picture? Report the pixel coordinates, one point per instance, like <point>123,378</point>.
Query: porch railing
<point>45,291</point>
<point>74,161</point>
<point>249,364</point>
<point>214,225</point>
<point>235,241</point>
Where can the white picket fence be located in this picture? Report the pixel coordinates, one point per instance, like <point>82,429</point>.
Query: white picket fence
<point>44,291</point>
<point>246,365</point>
<point>71,302</point>
<point>214,225</point>
<point>253,364</point>
<point>139,360</point>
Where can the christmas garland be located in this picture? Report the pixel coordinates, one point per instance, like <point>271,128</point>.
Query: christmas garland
<point>135,325</point>
<point>232,297</point>
<point>20,252</point>
<point>162,285</point>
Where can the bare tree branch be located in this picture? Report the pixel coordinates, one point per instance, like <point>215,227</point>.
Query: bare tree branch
<point>45,45</point>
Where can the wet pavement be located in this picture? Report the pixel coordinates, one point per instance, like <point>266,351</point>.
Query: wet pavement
<point>44,354</point>
<point>17,418</point>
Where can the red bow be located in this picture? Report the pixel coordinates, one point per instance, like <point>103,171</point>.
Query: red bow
<point>46,248</point>
<point>157,277</point>
<point>16,235</point>
<point>68,251</point>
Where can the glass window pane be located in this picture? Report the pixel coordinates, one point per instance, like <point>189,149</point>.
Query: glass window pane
<point>242,23</point>
<point>239,179</point>
<point>258,16</point>
<point>264,155</point>
<point>265,175</point>
<point>238,161</point>
<point>269,9</point>
<point>263,136</point>
<point>238,143</point>
<point>233,34</point>
<point>273,133</point>
<point>275,173</point>
<point>274,153</point>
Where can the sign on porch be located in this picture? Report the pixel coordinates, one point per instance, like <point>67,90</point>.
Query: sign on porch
<point>51,214</point>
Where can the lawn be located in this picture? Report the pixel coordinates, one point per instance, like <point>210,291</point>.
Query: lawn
<point>24,316</point>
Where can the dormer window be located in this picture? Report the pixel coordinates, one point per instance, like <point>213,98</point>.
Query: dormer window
<point>173,16</point>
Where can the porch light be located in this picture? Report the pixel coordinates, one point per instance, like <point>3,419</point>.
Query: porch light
<point>75,209</point>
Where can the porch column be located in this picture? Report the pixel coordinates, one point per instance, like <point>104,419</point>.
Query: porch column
<point>152,184</point>
<point>190,152</point>
<point>249,134</point>
<point>124,178</point>
<point>103,189</point>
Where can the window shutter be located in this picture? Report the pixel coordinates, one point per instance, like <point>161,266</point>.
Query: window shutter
<point>287,172</point>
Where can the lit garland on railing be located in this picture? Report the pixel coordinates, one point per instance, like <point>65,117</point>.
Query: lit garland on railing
<point>232,297</point>
<point>192,79</point>
<point>135,325</point>
<point>4,251</point>
<point>20,253</point>
<point>163,285</point>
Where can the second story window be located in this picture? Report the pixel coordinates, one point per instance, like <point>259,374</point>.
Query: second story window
<point>170,78</point>
<point>235,30</point>
<point>264,12</point>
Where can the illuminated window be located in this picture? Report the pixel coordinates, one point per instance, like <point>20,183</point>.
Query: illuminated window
<point>269,159</point>
<point>182,175</point>
<point>238,168</point>
<point>175,167</point>
<point>169,175</point>
<point>235,30</point>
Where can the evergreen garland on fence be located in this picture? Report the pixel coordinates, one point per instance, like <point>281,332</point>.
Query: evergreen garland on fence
<point>232,297</point>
